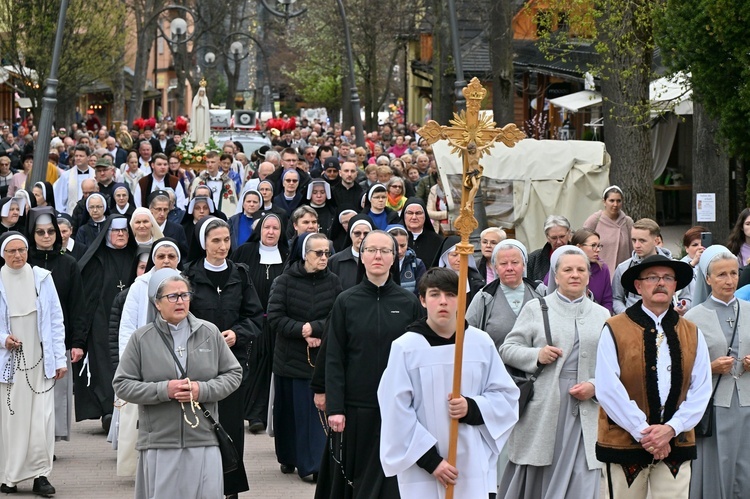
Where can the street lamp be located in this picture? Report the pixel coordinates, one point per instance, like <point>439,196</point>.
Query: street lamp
<point>236,52</point>
<point>49,102</point>
<point>177,38</point>
<point>460,82</point>
<point>286,9</point>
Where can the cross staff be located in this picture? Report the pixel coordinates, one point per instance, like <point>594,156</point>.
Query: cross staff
<point>470,138</point>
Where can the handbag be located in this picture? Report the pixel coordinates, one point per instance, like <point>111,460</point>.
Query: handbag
<point>526,385</point>
<point>705,427</point>
<point>230,459</point>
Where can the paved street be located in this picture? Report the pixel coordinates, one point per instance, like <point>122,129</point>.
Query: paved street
<point>85,469</point>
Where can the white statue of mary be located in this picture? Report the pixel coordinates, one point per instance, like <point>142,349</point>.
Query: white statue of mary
<point>200,126</point>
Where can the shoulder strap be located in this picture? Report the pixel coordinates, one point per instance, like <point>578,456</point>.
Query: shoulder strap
<point>731,342</point>
<point>545,318</point>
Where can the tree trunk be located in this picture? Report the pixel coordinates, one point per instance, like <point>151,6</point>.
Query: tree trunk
<point>711,172</point>
<point>442,84</point>
<point>145,41</point>
<point>501,61</point>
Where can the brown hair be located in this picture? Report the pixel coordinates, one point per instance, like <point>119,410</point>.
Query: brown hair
<point>692,234</point>
<point>649,225</point>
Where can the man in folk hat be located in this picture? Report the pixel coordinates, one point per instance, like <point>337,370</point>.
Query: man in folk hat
<point>653,382</point>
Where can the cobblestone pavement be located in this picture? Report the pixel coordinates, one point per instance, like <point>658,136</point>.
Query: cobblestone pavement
<point>85,469</point>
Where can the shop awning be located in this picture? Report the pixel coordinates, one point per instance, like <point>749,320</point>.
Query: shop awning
<point>579,100</point>
<point>672,94</point>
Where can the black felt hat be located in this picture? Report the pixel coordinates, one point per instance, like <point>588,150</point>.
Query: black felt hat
<point>682,271</point>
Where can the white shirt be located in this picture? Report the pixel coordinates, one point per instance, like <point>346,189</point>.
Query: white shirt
<point>617,403</point>
<point>145,167</point>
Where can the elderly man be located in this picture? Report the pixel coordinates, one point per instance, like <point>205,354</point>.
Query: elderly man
<point>557,232</point>
<point>145,150</point>
<point>653,382</point>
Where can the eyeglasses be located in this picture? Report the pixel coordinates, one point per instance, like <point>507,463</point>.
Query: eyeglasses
<point>396,187</point>
<point>382,251</point>
<point>42,232</point>
<point>291,181</point>
<point>95,207</point>
<point>594,246</point>
<point>19,251</point>
<point>654,279</point>
<point>175,297</point>
<point>320,253</point>
<point>119,231</point>
<point>360,233</point>
<point>414,213</point>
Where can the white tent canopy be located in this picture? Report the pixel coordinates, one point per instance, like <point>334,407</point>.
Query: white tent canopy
<point>579,100</point>
<point>666,94</point>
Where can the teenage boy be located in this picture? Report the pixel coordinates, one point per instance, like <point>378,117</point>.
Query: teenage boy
<point>416,408</point>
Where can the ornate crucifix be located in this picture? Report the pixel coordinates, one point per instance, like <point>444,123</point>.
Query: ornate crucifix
<point>470,138</point>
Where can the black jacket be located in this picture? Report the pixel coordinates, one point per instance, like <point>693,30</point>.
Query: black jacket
<point>237,307</point>
<point>344,265</point>
<point>364,322</point>
<point>299,297</point>
<point>538,265</point>
<point>114,326</point>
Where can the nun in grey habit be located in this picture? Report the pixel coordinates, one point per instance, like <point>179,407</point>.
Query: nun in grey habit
<point>722,469</point>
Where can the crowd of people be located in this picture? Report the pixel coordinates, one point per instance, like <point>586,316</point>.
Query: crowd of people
<point>309,290</point>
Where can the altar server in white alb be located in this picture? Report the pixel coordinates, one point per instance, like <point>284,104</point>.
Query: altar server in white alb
<point>414,395</point>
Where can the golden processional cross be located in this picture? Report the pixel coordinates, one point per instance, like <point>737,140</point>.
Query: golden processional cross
<point>470,137</point>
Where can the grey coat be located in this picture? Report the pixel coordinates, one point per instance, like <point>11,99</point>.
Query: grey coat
<point>147,366</point>
<point>490,311</point>
<point>708,323</point>
<point>533,439</point>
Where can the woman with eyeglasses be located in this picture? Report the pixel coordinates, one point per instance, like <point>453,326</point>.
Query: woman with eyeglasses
<point>163,254</point>
<point>225,296</point>
<point>723,458</point>
<point>344,263</point>
<point>600,283</point>
<point>299,329</point>
<point>45,252</point>
<point>364,321</point>
<point>178,451</point>
<point>32,335</point>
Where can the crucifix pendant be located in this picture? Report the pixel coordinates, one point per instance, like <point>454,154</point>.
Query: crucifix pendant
<point>731,322</point>
<point>120,286</point>
<point>180,351</point>
<point>218,289</point>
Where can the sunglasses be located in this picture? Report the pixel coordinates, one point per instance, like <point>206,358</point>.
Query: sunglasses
<point>320,253</point>
<point>42,232</point>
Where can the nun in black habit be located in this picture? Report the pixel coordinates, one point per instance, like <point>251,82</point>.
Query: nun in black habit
<point>344,263</point>
<point>43,194</point>
<point>105,269</point>
<point>422,236</point>
<point>224,295</point>
<point>264,254</point>
<point>12,215</point>
<point>45,251</point>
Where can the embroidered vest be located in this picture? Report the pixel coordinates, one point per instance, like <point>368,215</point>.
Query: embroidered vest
<point>634,336</point>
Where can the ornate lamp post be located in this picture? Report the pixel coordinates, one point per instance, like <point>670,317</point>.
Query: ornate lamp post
<point>236,51</point>
<point>49,102</point>
<point>177,40</point>
<point>460,81</point>
<point>284,8</point>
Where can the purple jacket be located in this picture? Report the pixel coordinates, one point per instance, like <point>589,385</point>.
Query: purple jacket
<point>600,285</point>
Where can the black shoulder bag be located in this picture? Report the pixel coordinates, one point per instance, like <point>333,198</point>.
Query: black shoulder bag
<point>526,385</point>
<point>230,459</point>
<point>705,428</point>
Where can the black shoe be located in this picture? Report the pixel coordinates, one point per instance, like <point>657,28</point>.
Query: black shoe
<point>54,457</point>
<point>256,427</point>
<point>287,469</point>
<point>42,487</point>
<point>106,422</point>
<point>8,490</point>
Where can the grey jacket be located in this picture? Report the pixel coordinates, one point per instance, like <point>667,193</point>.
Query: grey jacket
<point>621,299</point>
<point>147,366</point>
<point>490,311</point>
